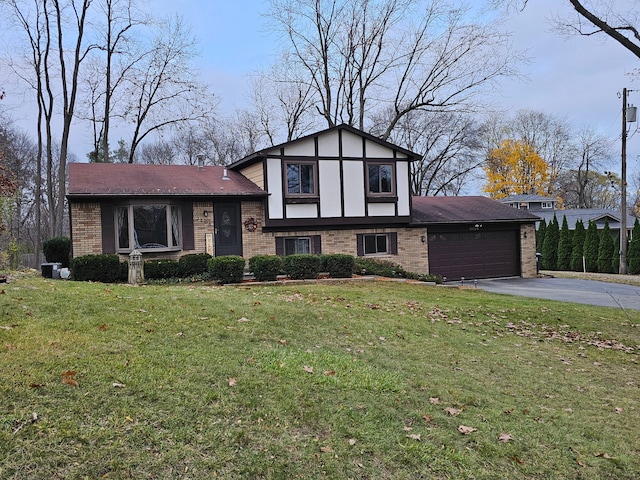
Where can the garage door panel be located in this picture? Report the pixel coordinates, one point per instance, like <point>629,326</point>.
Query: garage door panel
<point>474,254</point>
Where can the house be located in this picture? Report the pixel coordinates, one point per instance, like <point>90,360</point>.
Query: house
<point>336,191</point>
<point>545,208</point>
<point>533,203</point>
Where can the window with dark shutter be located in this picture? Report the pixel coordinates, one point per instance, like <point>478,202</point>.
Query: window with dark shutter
<point>188,237</point>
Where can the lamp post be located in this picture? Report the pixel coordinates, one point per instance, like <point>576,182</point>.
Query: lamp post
<point>630,112</point>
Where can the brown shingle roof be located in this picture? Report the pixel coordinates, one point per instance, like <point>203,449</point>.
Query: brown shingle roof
<point>466,209</point>
<point>123,179</point>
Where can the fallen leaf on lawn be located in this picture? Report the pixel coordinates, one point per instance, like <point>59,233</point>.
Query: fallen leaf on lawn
<point>308,369</point>
<point>232,382</point>
<point>243,319</point>
<point>453,411</point>
<point>128,419</point>
<point>69,381</point>
<point>602,455</point>
<point>579,462</point>
<point>427,418</point>
<point>505,437</point>
<point>517,460</point>
<point>118,385</point>
<point>618,410</point>
<point>434,400</point>
<point>326,449</point>
<point>282,342</point>
<point>352,441</point>
<point>69,378</point>
<point>102,327</point>
<point>407,428</point>
<point>37,385</point>
<point>329,373</point>
<point>414,436</point>
<point>463,429</point>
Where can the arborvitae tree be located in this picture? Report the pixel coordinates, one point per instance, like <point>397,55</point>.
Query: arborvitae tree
<point>540,233</point>
<point>577,246</point>
<point>564,246</point>
<point>633,252</point>
<point>590,250</point>
<point>550,247</point>
<point>605,249</point>
<point>615,260</point>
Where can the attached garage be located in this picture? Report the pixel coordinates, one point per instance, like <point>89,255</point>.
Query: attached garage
<point>473,253</point>
<point>476,237</point>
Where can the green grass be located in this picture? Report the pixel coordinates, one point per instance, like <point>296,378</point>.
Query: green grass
<point>312,381</point>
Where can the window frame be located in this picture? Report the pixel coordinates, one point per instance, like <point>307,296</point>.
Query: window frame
<point>546,205</point>
<point>315,244</point>
<point>391,240</point>
<point>173,218</point>
<point>300,196</point>
<point>378,164</point>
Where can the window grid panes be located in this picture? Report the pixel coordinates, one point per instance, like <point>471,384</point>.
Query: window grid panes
<point>148,227</point>
<point>297,245</point>
<point>300,179</point>
<point>376,244</point>
<point>380,178</point>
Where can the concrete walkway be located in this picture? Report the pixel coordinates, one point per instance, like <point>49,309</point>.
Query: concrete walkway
<point>589,292</point>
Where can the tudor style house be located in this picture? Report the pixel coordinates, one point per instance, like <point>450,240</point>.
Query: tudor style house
<point>336,191</point>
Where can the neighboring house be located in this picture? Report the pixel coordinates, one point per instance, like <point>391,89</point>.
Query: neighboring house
<point>533,203</point>
<point>545,208</point>
<point>336,191</point>
<point>596,215</point>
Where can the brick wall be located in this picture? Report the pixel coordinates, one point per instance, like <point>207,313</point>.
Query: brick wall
<point>528,251</point>
<point>412,253</point>
<point>86,228</point>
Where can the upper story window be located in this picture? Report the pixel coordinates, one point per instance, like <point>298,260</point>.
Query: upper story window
<point>154,227</point>
<point>547,204</point>
<point>380,179</point>
<point>301,178</point>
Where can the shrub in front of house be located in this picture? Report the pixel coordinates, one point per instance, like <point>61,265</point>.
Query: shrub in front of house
<point>266,268</point>
<point>338,265</point>
<point>302,266</point>
<point>57,249</point>
<point>99,268</point>
<point>229,269</point>
<point>193,264</point>
<point>161,269</point>
<point>381,268</point>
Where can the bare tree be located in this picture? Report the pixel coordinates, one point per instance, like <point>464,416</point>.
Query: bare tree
<point>162,87</point>
<point>397,55</point>
<point>451,143</point>
<point>579,186</point>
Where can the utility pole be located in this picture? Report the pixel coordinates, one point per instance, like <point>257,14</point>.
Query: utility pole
<point>623,189</point>
<point>631,111</point>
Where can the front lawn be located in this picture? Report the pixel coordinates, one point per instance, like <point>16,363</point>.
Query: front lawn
<point>363,380</point>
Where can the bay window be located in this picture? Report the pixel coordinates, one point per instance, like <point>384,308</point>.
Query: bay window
<point>148,227</point>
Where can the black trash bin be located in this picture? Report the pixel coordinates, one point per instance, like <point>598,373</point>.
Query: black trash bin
<point>538,261</point>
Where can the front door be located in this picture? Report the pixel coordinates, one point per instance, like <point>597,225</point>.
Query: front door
<point>228,234</point>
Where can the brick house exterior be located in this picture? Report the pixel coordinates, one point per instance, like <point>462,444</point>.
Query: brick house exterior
<point>336,191</point>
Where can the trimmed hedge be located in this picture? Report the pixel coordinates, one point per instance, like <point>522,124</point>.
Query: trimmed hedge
<point>266,268</point>
<point>193,264</point>
<point>161,269</point>
<point>99,268</point>
<point>302,266</point>
<point>229,269</point>
<point>338,265</point>
<point>57,249</point>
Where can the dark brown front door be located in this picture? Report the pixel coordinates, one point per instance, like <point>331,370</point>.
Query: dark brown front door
<point>228,234</point>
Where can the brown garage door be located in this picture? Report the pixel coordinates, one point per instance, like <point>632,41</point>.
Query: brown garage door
<point>478,254</point>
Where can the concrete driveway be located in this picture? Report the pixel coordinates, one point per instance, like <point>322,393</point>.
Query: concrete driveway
<point>588,292</point>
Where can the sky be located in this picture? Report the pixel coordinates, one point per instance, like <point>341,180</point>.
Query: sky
<point>579,79</point>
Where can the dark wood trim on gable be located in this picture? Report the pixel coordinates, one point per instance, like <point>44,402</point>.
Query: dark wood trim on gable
<point>297,224</point>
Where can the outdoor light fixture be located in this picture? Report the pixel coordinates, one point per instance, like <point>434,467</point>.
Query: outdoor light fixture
<point>423,239</point>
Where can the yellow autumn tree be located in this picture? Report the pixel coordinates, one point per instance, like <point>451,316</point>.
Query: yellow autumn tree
<point>515,168</point>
